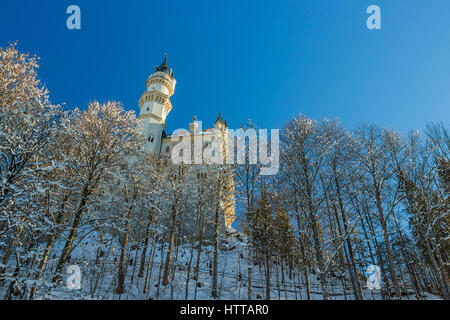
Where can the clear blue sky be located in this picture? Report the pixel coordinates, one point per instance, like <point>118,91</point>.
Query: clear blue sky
<point>265,60</point>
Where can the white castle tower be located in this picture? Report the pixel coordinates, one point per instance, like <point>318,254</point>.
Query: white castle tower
<point>155,106</point>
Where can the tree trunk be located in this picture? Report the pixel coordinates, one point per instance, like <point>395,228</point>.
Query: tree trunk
<point>9,250</point>
<point>250,275</point>
<point>144,250</point>
<point>76,222</point>
<point>171,243</point>
<point>121,276</point>
<point>390,258</point>
<point>305,264</point>
<point>267,275</point>
<point>216,254</point>
<point>44,258</point>
<point>354,272</point>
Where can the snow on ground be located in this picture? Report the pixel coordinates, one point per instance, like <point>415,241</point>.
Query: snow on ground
<point>99,280</point>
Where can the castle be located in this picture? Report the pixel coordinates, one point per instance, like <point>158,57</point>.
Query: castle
<point>155,106</point>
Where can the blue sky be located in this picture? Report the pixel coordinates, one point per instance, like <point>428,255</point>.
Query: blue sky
<point>265,60</point>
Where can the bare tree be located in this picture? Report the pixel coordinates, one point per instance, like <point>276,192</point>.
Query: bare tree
<point>379,170</point>
<point>100,137</point>
<point>305,144</point>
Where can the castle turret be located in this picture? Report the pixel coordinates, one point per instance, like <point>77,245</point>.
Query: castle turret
<point>219,124</point>
<point>155,106</point>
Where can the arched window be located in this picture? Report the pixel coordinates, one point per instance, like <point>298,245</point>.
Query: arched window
<point>168,149</point>
<point>150,139</point>
<point>201,175</point>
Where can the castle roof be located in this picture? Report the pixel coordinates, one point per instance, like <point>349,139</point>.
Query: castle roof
<point>164,68</point>
<point>219,119</point>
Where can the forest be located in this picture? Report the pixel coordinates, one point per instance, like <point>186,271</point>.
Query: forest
<point>84,214</point>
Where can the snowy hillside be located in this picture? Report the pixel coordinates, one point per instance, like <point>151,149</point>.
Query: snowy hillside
<point>100,279</point>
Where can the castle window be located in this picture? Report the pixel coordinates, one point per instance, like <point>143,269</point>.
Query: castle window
<point>168,149</point>
<point>148,108</point>
<point>150,139</point>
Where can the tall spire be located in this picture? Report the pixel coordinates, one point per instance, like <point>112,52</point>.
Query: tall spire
<point>219,119</point>
<point>163,67</point>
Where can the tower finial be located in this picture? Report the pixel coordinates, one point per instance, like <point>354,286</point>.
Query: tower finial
<point>163,67</point>
<point>219,119</point>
